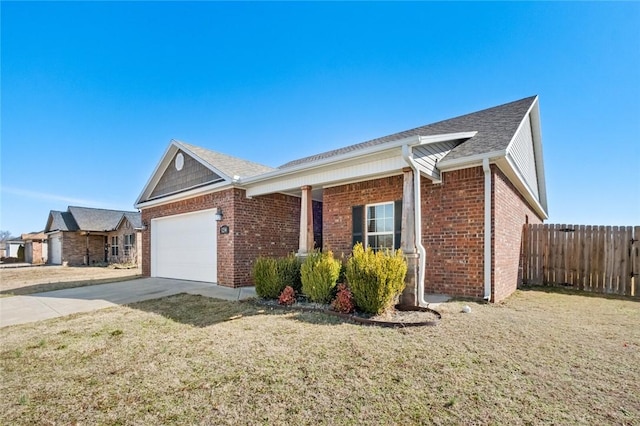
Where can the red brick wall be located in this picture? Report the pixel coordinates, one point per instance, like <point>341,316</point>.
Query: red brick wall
<point>263,226</point>
<point>510,212</point>
<point>74,248</point>
<point>266,225</point>
<point>336,208</point>
<point>453,233</point>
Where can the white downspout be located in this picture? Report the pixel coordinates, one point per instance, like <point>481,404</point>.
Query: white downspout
<point>407,153</point>
<point>487,229</point>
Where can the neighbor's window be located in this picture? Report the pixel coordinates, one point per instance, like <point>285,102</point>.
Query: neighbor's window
<point>128,243</point>
<point>114,246</point>
<point>380,226</point>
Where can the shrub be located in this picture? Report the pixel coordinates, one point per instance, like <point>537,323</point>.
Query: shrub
<point>265,276</point>
<point>319,273</point>
<point>289,272</point>
<point>288,296</point>
<point>376,279</point>
<point>343,301</point>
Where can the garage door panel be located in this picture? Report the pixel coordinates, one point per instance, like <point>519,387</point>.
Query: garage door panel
<point>185,247</point>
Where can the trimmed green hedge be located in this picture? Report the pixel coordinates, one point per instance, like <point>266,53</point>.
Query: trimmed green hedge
<point>376,279</point>
<point>272,275</point>
<point>319,273</point>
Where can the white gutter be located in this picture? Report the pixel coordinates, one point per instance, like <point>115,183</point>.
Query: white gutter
<point>407,154</point>
<point>487,228</point>
<point>358,153</point>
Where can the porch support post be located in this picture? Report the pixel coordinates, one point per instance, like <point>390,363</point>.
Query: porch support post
<point>408,239</point>
<point>306,222</point>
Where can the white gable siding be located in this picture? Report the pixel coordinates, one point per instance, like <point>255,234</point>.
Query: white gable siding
<point>428,155</point>
<point>521,152</point>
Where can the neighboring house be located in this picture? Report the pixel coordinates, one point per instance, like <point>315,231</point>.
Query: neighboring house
<point>35,247</point>
<point>85,236</point>
<point>12,247</point>
<point>453,195</point>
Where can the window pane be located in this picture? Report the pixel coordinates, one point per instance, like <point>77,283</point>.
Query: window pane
<point>371,214</point>
<point>388,224</point>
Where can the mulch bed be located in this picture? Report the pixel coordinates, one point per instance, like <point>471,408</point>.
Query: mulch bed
<point>400,317</point>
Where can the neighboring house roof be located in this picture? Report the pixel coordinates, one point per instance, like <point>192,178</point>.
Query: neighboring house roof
<point>61,221</point>
<point>495,126</point>
<point>31,236</point>
<point>90,219</point>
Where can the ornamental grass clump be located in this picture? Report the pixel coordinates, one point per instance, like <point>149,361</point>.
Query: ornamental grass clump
<point>319,273</point>
<point>268,283</point>
<point>376,279</point>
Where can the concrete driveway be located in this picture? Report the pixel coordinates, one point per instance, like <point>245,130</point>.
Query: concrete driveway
<point>52,304</point>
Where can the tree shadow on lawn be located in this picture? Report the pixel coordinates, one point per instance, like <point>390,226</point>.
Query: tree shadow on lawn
<point>201,311</point>
<point>569,291</point>
<point>63,285</point>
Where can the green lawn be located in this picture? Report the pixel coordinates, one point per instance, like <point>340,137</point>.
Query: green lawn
<point>539,358</point>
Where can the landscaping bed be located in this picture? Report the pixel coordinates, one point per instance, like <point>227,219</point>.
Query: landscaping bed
<point>400,316</point>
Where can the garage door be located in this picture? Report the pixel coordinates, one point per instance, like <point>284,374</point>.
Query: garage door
<point>184,247</point>
<point>55,250</point>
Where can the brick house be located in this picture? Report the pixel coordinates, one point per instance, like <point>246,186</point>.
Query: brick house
<point>35,247</point>
<point>453,195</point>
<point>86,236</point>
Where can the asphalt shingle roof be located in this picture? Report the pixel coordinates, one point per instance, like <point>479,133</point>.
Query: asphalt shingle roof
<point>230,166</point>
<point>495,126</point>
<point>90,219</point>
<point>62,221</point>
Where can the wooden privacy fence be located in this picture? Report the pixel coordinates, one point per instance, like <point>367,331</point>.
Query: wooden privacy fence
<point>599,259</point>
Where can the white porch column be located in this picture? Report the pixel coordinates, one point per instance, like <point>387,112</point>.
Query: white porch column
<point>408,239</point>
<point>306,222</point>
<point>408,234</point>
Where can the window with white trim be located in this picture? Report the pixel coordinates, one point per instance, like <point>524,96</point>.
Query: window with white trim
<point>380,226</point>
<point>114,245</point>
<point>129,241</point>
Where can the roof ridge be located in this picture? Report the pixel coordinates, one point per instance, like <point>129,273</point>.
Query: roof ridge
<point>188,145</point>
<point>98,208</point>
<point>404,133</point>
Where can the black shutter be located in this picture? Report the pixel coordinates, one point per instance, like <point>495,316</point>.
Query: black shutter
<point>397,224</point>
<point>357,220</point>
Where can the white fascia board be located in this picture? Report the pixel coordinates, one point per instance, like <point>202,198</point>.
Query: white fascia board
<point>216,187</point>
<point>534,115</point>
<point>370,167</point>
<point>155,176</point>
<point>359,153</point>
<point>537,151</point>
<point>470,161</point>
<point>509,169</point>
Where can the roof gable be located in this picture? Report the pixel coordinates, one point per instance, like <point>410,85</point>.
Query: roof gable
<point>60,221</point>
<point>183,172</point>
<point>197,168</point>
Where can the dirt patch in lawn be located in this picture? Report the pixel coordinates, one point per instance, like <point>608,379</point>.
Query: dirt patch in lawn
<point>35,279</point>
<point>539,358</point>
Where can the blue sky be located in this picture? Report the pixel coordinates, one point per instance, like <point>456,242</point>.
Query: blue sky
<point>92,93</point>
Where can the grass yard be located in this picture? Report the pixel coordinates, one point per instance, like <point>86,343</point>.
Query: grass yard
<point>35,279</point>
<point>539,358</point>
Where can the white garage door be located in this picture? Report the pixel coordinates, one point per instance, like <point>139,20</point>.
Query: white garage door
<point>55,250</point>
<point>184,247</point>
